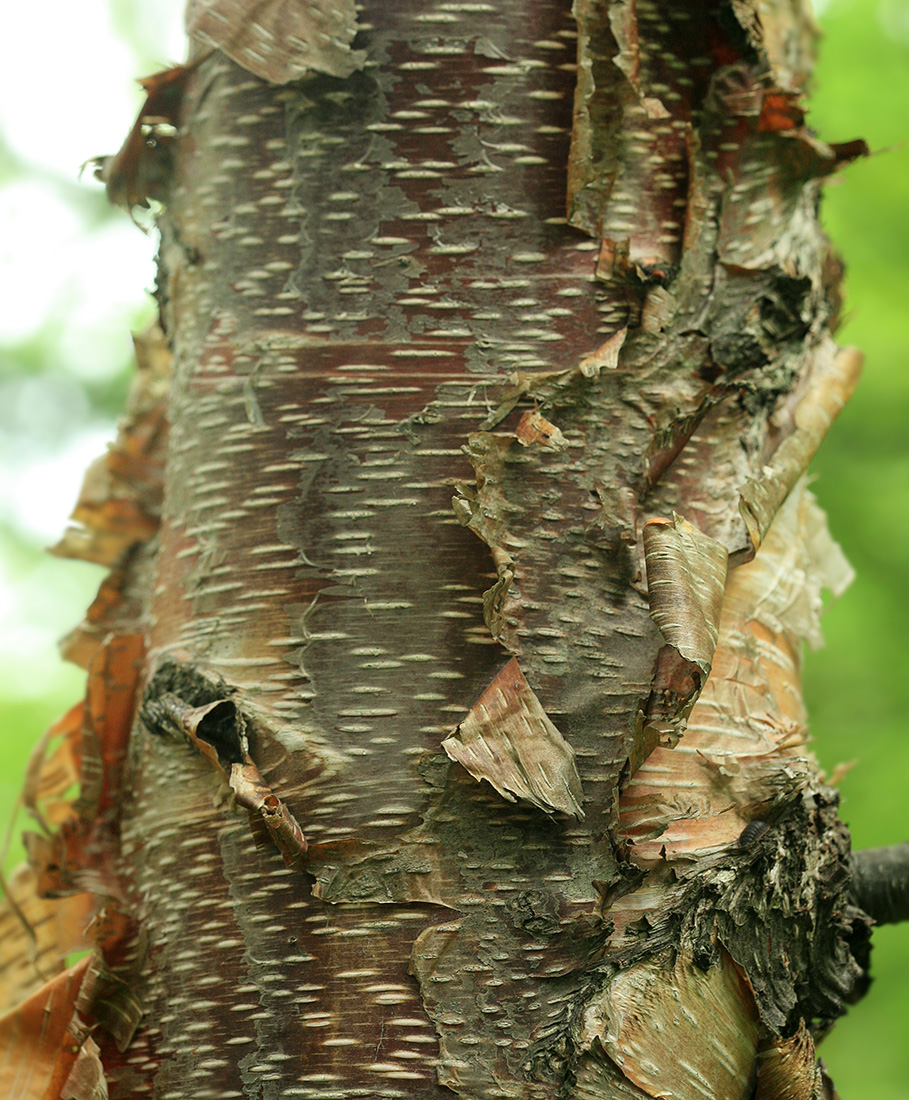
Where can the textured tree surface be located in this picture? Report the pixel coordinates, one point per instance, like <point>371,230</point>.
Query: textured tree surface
<point>443,727</point>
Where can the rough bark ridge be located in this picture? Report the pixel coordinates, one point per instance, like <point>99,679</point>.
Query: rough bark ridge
<point>484,561</point>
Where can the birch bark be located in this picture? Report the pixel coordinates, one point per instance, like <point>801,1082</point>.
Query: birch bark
<point>500,346</point>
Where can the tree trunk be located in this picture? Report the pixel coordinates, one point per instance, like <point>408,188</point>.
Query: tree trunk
<point>501,341</point>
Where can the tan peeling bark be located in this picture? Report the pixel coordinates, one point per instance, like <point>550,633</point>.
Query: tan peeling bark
<point>508,740</point>
<point>389,795</point>
<point>672,1029</point>
<point>829,388</point>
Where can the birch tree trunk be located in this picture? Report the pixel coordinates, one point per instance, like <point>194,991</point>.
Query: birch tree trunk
<point>501,339</point>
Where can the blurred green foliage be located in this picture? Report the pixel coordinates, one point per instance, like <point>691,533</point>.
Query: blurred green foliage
<point>857,688</point>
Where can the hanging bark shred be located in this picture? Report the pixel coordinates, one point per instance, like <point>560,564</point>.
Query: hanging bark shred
<point>140,170</point>
<point>508,740</point>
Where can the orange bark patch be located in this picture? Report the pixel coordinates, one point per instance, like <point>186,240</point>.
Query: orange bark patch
<point>81,854</point>
<point>39,1042</point>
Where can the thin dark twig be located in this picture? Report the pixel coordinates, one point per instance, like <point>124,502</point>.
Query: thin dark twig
<point>880,882</point>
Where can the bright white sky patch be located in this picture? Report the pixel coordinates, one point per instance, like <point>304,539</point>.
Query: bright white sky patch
<point>68,79</point>
<point>35,228</point>
<point>41,494</point>
<point>53,268</point>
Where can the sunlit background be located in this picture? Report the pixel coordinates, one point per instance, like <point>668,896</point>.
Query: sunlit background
<point>74,279</point>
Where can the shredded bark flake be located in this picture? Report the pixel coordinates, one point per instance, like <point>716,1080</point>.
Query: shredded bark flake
<point>130,487</point>
<point>676,1031</point>
<point>280,40</point>
<point>686,575</point>
<point>830,386</point>
<point>255,794</point>
<point>615,193</point>
<point>534,429</point>
<point>119,504</point>
<point>110,994</point>
<point>101,618</point>
<point>82,853</point>
<point>110,519</point>
<point>486,511</point>
<point>139,170</point>
<point>606,357</point>
<point>799,559</point>
<point>508,740</point>
<point>745,737</point>
<point>786,36</point>
<point>53,769</point>
<point>86,1080</point>
<point>113,678</point>
<point>36,934</point>
<point>547,385</point>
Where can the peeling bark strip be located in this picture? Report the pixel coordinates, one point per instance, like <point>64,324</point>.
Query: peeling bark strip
<point>508,740</point>
<point>829,387</point>
<point>788,1068</point>
<point>219,731</point>
<point>38,1049</point>
<point>686,575</point>
<point>571,266</point>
